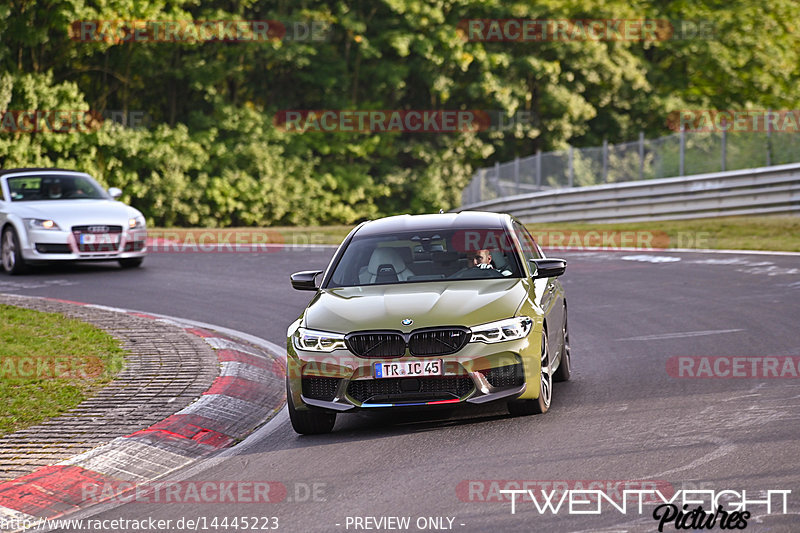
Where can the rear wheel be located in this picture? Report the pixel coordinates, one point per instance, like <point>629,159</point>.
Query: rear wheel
<point>565,366</point>
<point>131,262</point>
<point>309,421</point>
<point>11,252</point>
<point>542,403</point>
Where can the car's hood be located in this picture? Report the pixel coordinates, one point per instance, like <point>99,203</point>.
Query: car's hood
<point>67,213</point>
<point>466,303</point>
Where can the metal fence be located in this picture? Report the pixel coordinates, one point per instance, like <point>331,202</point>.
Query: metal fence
<point>680,154</point>
<point>766,190</point>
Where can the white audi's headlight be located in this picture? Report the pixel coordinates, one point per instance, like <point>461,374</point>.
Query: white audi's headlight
<point>136,222</point>
<point>503,330</point>
<point>41,223</point>
<point>317,341</point>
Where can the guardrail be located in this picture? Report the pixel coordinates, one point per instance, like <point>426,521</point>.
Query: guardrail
<point>757,191</point>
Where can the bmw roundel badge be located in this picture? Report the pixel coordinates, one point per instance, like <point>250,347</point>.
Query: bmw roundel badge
<point>407,322</point>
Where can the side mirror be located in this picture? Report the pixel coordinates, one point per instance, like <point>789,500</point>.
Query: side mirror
<point>306,280</point>
<point>115,192</point>
<point>548,268</point>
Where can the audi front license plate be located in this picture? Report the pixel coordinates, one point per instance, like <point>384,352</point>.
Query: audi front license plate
<point>404,369</point>
<point>99,238</point>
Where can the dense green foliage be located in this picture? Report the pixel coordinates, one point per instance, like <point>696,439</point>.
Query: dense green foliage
<point>210,154</point>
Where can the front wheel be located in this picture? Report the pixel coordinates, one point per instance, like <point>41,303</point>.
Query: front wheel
<point>309,422</point>
<point>11,252</point>
<point>542,403</point>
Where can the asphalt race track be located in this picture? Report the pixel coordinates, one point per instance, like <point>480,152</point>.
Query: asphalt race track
<point>623,417</point>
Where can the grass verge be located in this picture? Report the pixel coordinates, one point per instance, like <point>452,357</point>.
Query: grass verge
<point>773,233</point>
<point>49,364</point>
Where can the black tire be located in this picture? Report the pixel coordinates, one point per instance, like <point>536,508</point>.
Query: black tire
<point>131,262</point>
<point>310,421</point>
<point>565,366</point>
<point>542,403</point>
<point>11,252</point>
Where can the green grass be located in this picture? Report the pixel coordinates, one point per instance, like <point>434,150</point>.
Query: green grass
<point>776,233</point>
<point>49,364</point>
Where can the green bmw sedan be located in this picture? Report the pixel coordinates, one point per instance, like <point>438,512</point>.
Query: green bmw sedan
<point>428,310</point>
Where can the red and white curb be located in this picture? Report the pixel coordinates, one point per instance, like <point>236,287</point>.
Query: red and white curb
<point>248,392</point>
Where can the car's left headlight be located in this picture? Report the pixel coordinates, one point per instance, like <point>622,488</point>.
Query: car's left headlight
<point>41,223</point>
<point>136,222</point>
<point>503,330</point>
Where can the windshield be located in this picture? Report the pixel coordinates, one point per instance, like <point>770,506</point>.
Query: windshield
<point>426,256</point>
<point>54,187</point>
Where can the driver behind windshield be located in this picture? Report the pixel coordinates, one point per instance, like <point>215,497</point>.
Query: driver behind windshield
<point>483,260</point>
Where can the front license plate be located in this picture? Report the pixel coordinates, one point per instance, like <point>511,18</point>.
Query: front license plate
<point>404,369</point>
<point>99,238</point>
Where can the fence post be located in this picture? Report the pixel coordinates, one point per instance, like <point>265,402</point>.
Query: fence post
<point>769,137</point>
<point>683,151</point>
<point>539,169</point>
<point>516,174</point>
<point>495,182</point>
<point>641,155</point>
<point>605,160</point>
<point>571,174</point>
<point>724,148</point>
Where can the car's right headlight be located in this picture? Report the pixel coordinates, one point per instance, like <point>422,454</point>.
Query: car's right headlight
<point>509,329</point>
<point>317,341</point>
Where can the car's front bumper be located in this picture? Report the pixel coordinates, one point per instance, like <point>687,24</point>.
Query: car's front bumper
<point>55,245</point>
<point>478,373</point>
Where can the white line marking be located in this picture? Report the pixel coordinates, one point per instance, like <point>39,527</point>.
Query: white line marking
<point>670,250</point>
<point>218,343</point>
<point>680,334</point>
<point>651,258</point>
<point>107,308</point>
